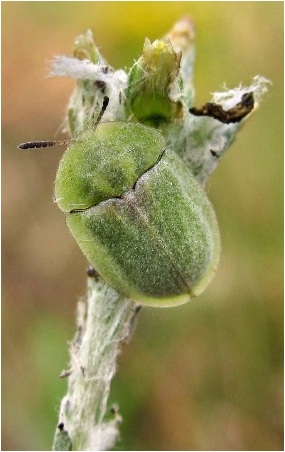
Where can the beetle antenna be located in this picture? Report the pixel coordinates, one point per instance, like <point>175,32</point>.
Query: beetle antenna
<point>103,109</point>
<point>42,144</point>
<point>48,144</point>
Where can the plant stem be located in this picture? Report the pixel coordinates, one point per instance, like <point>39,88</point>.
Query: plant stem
<point>104,322</point>
<point>157,91</point>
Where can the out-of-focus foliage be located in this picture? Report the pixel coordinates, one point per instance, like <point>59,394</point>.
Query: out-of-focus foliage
<point>206,375</point>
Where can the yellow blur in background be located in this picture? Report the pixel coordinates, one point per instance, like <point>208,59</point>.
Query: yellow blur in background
<point>204,376</point>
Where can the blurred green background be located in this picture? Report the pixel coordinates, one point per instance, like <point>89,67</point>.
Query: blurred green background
<point>204,376</point>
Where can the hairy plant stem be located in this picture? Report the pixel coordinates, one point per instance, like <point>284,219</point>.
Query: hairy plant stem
<point>104,322</point>
<point>157,91</point>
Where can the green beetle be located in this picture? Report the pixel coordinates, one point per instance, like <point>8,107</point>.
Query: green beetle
<point>138,214</point>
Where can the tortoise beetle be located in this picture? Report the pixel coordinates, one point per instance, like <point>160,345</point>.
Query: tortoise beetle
<point>137,213</point>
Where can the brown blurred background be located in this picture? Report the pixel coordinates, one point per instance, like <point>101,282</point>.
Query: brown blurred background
<point>206,375</point>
